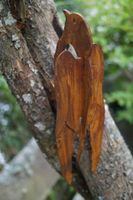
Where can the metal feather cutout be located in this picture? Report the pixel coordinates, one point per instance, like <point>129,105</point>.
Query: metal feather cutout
<point>78,89</point>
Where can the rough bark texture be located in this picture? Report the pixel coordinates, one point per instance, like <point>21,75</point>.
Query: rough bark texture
<point>27,176</point>
<point>26,61</point>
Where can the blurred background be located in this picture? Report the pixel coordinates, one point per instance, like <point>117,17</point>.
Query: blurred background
<point>111,24</point>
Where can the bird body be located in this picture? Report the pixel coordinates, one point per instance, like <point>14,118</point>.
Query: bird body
<point>78,88</point>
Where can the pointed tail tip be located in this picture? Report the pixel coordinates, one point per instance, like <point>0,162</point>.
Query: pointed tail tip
<point>94,169</point>
<point>94,165</point>
<point>68,177</point>
<point>79,154</point>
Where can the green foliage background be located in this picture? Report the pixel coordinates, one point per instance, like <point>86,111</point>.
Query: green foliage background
<point>14,132</point>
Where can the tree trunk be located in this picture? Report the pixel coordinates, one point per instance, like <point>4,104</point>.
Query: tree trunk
<point>26,61</point>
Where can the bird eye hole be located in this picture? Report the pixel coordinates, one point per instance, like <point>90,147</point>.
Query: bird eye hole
<point>74,20</point>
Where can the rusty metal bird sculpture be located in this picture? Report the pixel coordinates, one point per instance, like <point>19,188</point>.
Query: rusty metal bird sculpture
<point>79,70</point>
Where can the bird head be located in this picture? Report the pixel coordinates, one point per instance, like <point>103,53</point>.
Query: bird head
<point>76,31</point>
<point>73,20</point>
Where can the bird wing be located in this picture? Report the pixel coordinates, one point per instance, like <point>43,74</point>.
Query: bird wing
<point>69,97</point>
<point>95,115</point>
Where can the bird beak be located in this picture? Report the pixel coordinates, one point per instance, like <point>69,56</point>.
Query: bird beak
<point>66,13</point>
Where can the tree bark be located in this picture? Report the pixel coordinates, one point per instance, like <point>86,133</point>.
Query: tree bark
<point>26,61</point>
